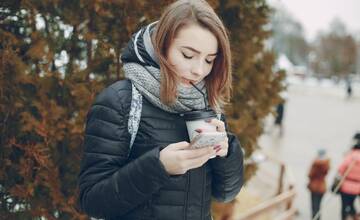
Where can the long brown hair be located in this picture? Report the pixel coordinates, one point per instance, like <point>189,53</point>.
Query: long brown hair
<point>176,16</point>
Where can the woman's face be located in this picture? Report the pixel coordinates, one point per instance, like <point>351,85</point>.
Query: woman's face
<point>192,53</point>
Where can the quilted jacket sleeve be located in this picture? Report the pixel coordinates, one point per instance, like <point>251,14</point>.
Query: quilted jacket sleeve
<point>109,184</point>
<point>228,171</point>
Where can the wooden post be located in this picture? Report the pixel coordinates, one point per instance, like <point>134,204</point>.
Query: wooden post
<point>289,205</point>
<point>281,179</point>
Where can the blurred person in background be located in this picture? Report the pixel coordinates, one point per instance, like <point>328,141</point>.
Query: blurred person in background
<point>317,184</point>
<point>350,187</point>
<point>279,117</point>
<point>280,111</point>
<point>349,89</point>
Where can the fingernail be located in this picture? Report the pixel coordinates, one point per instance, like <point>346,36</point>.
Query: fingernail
<point>216,147</point>
<point>208,120</point>
<point>218,150</point>
<point>198,130</point>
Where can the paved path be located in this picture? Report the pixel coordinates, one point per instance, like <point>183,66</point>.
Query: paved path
<point>316,115</point>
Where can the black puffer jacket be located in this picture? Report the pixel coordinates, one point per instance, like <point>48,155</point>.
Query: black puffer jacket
<point>118,184</point>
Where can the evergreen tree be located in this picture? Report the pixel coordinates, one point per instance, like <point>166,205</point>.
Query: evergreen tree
<point>255,85</point>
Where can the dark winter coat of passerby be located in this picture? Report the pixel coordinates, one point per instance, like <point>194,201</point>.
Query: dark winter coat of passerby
<point>317,183</point>
<point>350,188</point>
<point>162,177</point>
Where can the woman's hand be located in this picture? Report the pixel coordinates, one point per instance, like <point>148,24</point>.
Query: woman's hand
<point>222,148</point>
<point>178,158</point>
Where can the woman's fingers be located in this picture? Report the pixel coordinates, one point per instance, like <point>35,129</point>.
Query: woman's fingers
<point>179,145</point>
<point>195,153</point>
<point>220,125</point>
<point>222,148</point>
<point>178,158</point>
<point>198,161</point>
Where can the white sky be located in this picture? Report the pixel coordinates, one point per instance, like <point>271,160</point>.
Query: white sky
<point>316,15</point>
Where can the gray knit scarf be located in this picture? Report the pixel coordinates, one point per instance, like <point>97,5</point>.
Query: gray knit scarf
<point>146,79</point>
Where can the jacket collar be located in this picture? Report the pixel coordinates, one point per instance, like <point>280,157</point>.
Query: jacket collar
<point>140,49</point>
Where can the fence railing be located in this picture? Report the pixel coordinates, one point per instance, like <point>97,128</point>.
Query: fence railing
<point>280,205</point>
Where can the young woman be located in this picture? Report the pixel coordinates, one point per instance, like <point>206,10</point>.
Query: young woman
<point>161,176</point>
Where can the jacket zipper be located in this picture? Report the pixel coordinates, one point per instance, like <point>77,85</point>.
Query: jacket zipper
<point>187,188</point>
<point>203,192</point>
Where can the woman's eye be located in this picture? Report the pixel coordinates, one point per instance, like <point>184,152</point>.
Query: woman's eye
<point>209,61</point>
<point>187,57</point>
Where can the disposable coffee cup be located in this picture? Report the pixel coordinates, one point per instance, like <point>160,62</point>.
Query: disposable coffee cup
<point>197,120</point>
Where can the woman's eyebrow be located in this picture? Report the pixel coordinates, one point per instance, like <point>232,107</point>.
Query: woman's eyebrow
<point>196,51</point>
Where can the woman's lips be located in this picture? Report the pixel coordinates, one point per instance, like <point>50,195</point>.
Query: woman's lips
<point>188,81</point>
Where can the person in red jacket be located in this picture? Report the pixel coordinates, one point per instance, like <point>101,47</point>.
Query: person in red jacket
<point>350,188</point>
<point>317,183</point>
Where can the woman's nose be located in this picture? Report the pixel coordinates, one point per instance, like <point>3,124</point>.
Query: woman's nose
<point>198,69</point>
